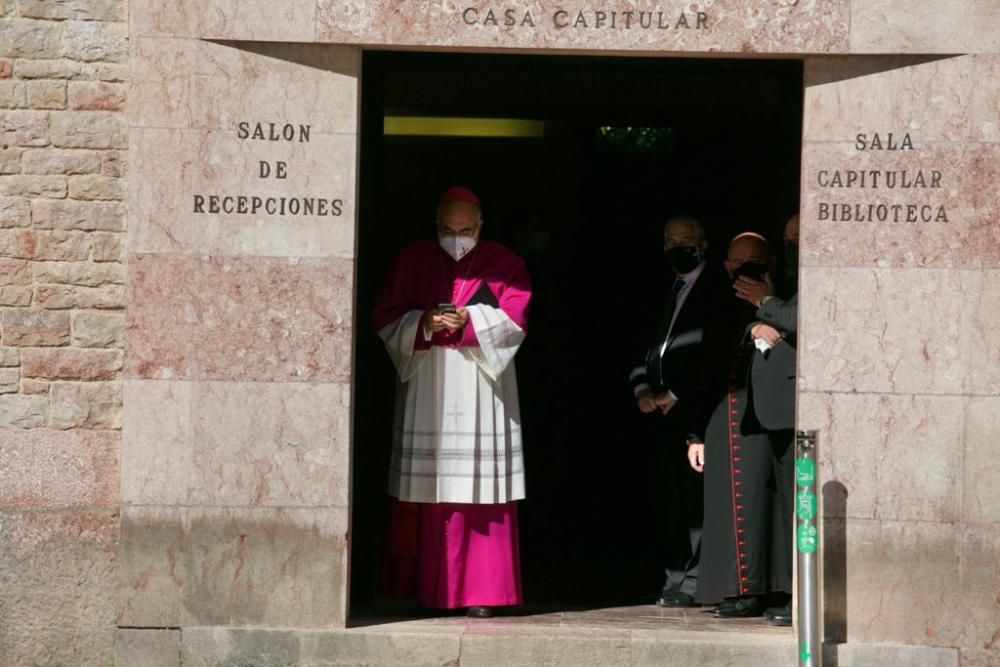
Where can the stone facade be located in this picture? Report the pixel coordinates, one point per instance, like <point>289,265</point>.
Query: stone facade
<point>173,412</point>
<point>63,147</point>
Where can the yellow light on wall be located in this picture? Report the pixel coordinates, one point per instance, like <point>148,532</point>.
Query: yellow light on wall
<point>434,126</point>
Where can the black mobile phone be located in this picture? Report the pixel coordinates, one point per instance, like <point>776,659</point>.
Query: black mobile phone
<point>447,308</point>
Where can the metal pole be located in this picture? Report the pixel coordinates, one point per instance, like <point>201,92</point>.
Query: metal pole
<point>806,544</point>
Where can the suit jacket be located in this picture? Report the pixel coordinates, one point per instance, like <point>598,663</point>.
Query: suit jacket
<point>697,352</point>
<point>772,375</point>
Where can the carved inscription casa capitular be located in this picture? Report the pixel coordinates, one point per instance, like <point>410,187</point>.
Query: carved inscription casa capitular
<point>592,19</point>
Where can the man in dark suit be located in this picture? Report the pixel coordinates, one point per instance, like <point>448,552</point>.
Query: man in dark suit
<point>675,381</point>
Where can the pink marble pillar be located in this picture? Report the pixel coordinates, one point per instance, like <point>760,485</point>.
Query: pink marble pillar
<point>900,340</point>
<point>236,427</point>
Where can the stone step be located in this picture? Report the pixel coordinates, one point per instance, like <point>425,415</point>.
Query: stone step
<point>637,635</point>
<point>490,644</point>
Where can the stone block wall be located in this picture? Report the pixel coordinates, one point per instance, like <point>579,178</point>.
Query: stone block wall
<point>63,146</point>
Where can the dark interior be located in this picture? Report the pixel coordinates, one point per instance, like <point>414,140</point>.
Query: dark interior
<point>628,142</point>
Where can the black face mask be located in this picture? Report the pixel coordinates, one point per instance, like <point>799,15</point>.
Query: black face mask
<point>792,256</point>
<point>754,270</point>
<point>683,258</point>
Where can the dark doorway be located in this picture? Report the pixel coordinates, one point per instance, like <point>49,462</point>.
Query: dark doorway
<point>627,142</point>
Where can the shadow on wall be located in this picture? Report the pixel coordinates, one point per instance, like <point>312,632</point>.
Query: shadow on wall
<point>853,68</point>
<point>834,563</point>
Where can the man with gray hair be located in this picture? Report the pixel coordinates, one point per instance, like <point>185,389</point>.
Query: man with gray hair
<point>676,384</point>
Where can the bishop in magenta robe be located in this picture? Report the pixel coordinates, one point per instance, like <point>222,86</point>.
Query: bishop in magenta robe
<point>452,315</point>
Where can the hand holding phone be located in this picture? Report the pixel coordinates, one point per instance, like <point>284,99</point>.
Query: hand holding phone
<point>453,318</point>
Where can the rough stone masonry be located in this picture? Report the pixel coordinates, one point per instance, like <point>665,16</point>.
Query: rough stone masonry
<point>63,147</point>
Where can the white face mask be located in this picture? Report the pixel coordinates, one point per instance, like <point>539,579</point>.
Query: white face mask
<point>458,246</point>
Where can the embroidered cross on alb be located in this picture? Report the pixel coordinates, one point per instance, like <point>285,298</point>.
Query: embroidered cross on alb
<point>456,413</point>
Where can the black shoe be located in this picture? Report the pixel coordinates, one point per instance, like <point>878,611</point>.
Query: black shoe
<point>725,605</point>
<point>780,615</point>
<point>479,612</point>
<point>675,599</point>
<point>783,609</point>
<point>747,607</point>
